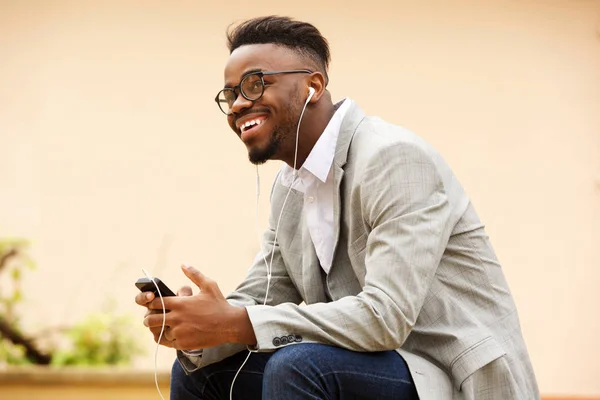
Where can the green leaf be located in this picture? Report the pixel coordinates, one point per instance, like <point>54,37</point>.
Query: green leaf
<point>16,274</point>
<point>17,296</point>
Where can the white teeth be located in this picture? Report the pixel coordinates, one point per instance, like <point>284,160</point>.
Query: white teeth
<point>248,124</point>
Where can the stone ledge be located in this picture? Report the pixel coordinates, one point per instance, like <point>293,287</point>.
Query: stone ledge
<point>70,376</point>
<point>71,383</point>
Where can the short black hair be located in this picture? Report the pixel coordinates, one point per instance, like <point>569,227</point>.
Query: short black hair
<point>301,37</point>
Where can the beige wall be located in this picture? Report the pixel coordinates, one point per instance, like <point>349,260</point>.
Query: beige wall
<point>114,157</point>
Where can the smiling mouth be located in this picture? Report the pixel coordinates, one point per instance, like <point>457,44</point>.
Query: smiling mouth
<point>249,125</point>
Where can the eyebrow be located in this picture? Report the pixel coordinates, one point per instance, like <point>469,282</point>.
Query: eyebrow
<point>246,73</point>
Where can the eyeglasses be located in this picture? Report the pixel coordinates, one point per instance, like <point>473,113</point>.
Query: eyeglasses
<point>251,87</point>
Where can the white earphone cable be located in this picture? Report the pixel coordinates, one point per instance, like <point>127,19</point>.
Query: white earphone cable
<point>269,264</point>
<point>162,331</point>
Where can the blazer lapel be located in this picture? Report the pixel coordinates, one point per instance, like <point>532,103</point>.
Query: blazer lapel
<point>352,119</point>
<point>295,237</point>
<point>338,174</point>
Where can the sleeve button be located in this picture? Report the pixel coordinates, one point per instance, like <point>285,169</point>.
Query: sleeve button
<point>276,342</point>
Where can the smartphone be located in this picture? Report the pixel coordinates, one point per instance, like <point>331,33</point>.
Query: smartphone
<point>146,285</point>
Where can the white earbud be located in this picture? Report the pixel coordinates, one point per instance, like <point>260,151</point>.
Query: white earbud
<point>311,92</point>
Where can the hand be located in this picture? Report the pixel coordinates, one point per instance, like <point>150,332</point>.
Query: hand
<point>198,321</point>
<point>145,299</point>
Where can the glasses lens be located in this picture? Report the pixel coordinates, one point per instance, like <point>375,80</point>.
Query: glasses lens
<point>226,99</point>
<point>252,87</point>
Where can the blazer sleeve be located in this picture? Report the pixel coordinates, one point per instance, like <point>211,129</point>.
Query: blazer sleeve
<point>404,204</point>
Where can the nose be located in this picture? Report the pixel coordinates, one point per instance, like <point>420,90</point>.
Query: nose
<point>241,103</point>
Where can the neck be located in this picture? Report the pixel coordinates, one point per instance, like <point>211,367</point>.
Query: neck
<point>313,124</point>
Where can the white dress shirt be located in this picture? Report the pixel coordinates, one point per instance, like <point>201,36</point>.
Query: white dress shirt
<point>315,180</point>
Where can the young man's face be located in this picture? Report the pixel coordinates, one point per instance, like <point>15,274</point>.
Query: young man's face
<point>274,116</point>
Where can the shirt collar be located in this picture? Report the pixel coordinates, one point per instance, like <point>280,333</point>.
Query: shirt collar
<point>320,159</point>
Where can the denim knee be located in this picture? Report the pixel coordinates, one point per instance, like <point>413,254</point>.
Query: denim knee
<point>286,357</point>
<point>293,359</point>
<point>182,386</point>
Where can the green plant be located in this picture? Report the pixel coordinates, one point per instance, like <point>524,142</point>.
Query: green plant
<point>13,354</point>
<point>14,257</point>
<point>100,339</point>
<point>16,348</point>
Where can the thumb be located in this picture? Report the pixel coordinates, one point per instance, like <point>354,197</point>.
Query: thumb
<point>204,283</point>
<point>196,276</point>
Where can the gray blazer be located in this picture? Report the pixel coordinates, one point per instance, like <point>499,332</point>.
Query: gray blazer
<point>413,270</point>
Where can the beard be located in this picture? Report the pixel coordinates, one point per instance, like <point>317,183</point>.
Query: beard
<point>259,156</point>
<point>284,133</point>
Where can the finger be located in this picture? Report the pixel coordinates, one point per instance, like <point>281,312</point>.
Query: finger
<point>185,291</point>
<point>156,332</point>
<point>159,305</point>
<point>166,335</point>
<point>163,340</point>
<point>144,298</point>
<point>156,320</point>
<point>204,283</point>
<point>166,339</point>
<point>150,312</point>
<point>167,343</point>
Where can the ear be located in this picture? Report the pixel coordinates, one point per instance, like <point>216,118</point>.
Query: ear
<point>317,82</point>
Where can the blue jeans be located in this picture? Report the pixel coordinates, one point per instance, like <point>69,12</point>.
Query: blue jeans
<point>299,372</point>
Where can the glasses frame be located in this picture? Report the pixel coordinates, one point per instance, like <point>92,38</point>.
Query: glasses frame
<point>237,89</point>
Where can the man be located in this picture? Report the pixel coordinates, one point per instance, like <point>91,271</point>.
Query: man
<point>404,296</point>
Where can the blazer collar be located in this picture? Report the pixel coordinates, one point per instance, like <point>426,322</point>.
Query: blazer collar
<point>353,117</point>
